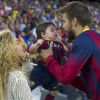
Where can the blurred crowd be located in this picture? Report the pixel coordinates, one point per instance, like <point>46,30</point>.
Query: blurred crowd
<point>95,11</point>
<point>22,16</point>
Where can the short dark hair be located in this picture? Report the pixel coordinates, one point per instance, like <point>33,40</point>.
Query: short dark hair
<point>41,27</point>
<point>78,10</point>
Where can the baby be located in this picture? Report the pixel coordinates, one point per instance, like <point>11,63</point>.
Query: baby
<point>46,32</point>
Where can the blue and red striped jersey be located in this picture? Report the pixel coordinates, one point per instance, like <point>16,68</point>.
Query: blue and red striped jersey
<point>85,61</point>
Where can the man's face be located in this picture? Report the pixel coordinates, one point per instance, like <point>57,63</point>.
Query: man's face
<point>68,27</point>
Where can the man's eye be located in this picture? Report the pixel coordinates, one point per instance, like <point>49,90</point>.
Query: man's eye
<point>63,21</point>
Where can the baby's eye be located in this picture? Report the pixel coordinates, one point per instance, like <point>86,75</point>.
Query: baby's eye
<point>53,30</point>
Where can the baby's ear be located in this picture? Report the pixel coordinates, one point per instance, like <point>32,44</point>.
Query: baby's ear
<point>42,34</point>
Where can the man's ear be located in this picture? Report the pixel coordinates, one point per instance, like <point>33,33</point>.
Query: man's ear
<point>42,34</point>
<point>74,22</point>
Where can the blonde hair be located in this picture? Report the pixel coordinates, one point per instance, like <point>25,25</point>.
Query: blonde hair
<point>9,59</point>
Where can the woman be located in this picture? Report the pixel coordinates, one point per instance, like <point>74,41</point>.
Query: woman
<point>13,83</point>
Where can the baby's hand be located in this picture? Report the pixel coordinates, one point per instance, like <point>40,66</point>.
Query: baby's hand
<point>40,41</point>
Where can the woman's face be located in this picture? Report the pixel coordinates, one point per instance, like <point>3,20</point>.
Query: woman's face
<point>23,54</point>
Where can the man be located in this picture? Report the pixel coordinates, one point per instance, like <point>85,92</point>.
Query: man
<point>83,66</point>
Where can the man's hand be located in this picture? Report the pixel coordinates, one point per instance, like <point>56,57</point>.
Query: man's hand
<point>44,54</point>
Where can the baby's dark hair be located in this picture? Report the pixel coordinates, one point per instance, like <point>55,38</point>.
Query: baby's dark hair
<point>41,27</point>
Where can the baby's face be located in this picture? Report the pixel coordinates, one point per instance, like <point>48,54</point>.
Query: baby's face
<point>51,32</point>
